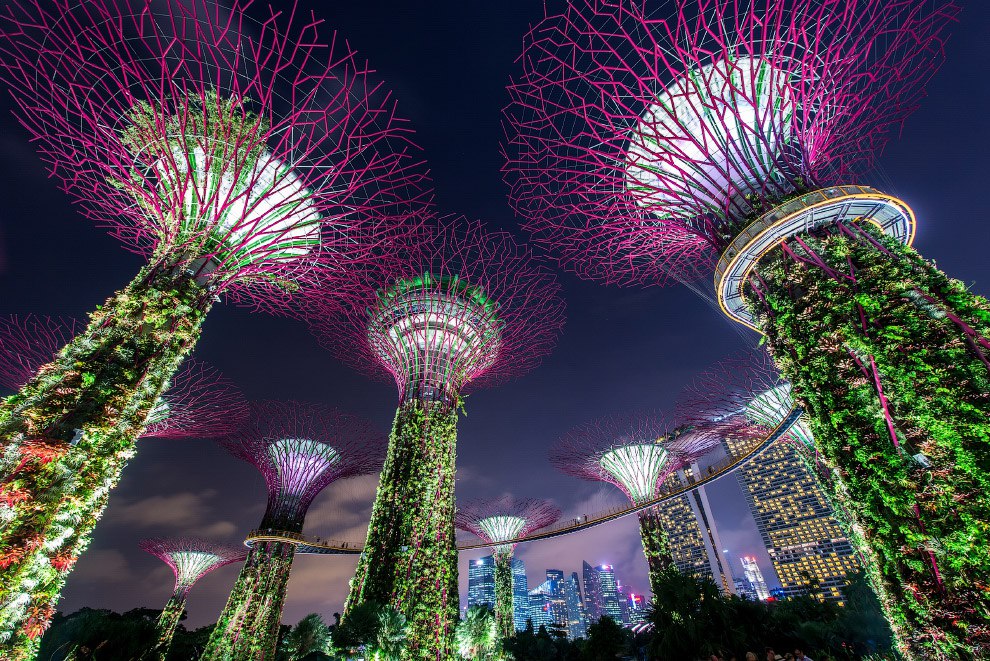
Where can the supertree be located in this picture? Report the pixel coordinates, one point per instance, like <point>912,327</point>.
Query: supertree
<point>496,522</point>
<point>637,453</point>
<point>300,448</point>
<point>648,149</point>
<point>468,307</point>
<point>191,559</point>
<point>252,159</point>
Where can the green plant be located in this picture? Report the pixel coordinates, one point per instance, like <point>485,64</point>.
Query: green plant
<point>888,357</point>
<point>410,558</point>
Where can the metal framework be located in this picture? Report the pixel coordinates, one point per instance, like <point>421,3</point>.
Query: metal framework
<point>506,518</point>
<point>637,453</point>
<point>747,385</point>
<point>28,342</point>
<point>260,155</point>
<point>643,139</point>
<point>191,558</point>
<point>467,306</point>
<point>300,448</point>
<point>308,545</point>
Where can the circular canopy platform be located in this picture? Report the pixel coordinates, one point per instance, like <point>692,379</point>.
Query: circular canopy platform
<point>801,214</point>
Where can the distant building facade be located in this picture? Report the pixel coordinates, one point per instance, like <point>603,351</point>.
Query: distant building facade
<point>694,539</point>
<point>548,603</point>
<point>577,620</point>
<point>754,577</point>
<point>601,595</point>
<point>806,546</point>
<point>481,588</point>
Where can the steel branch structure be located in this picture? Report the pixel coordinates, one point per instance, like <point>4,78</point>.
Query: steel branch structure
<point>637,453</point>
<point>255,153</point>
<point>466,307</point>
<point>28,342</point>
<point>496,522</point>
<point>257,159</point>
<point>642,140</point>
<point>649,145</point>
<point>191,559</point>
<point>300,448</point>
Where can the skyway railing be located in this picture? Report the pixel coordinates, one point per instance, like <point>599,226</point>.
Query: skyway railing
<point>317,545</point>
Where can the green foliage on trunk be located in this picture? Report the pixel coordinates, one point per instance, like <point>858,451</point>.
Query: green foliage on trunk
<point>503,594</point>
<point>167,623</point>
<point>656,545</point>
<point>889,358</point>
<point>248,627</point>
<point>410,558</point>
<point>67,435</point>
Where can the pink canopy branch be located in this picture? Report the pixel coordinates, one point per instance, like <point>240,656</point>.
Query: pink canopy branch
<point>636,452</point>
<point>748,388</point>
<point>192,558</point>
<point>465,306</point>
<point>28,342</point>
<point>200,403</point>
<point>300,448</point>
<point>503,519</point>
<point>641,137</point>
<point>259,154</point>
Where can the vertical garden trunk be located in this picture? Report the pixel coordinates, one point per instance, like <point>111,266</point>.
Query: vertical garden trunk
<point>889,358</point>
<point>656,546</point>
<point>167,623</point>
<point>503,594</point>
<point>410,558</point>
<point>68,433</point>
<point>247,629</point>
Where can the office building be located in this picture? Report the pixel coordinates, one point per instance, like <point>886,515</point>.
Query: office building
<point>577,621</point>
<point>755,578</point>
<point>690,526</point>
<point>808,550</point>
<point>481,588</point>
<point>601,595</point>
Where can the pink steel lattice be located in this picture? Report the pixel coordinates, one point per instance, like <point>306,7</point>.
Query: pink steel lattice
<point>300,448</point>
<point>745,386</point>
<point>27,343</point>
<point>260,155</point>
<point>641,138</point>
<point>637,452</point>
<point>466,306</point>
<point>191,558</point>
<point>505,518</point>
<point>200,403</point>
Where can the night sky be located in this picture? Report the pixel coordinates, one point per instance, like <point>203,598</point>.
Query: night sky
<point>448,62</point>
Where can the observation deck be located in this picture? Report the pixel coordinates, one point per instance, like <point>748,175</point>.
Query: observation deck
<point>318,546</point>
<point>806,212</point>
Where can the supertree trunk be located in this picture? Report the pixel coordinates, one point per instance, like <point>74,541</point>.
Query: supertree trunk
<point>656,546</point>
<point>889,358</point>
<point>69,432</point>
<point>410,558</point>
<point>168,621</point>
<point>248,626</point>
<point>504,596</point>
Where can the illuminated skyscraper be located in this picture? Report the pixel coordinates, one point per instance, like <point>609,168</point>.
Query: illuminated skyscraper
<point>755,577</point>
<point>520,594</point>
<point>806,545</point>
<point>577,621</point>
<point>601,595</point>
<point>694,539</point>
<point>481,587</point>
<point>548,603</point>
